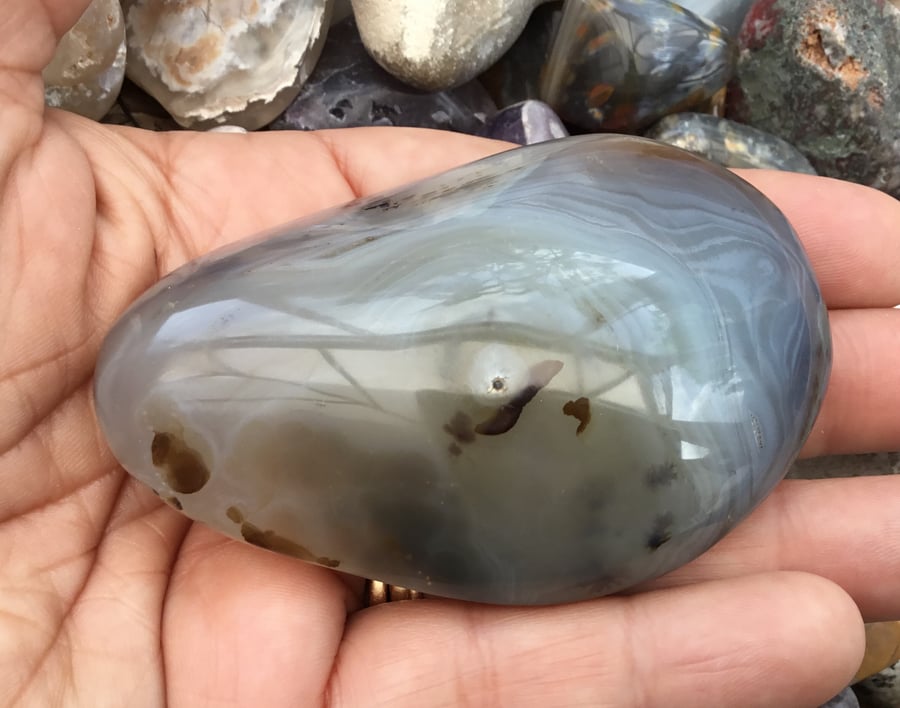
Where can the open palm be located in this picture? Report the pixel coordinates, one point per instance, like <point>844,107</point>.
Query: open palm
<point>108,597</point>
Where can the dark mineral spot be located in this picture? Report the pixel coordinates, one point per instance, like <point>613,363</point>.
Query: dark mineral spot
<point>183,468</point>
<point>509,413</point>
<point>757,432</point>
<point>454,449</point>
<point>460,427</point>
<point>661,475</point>
<point>662,531</point>
<point>273,542</point>
<point>234,514</point>
<point>383,205</point>
<point>498,384</point>
<point>579,409</point>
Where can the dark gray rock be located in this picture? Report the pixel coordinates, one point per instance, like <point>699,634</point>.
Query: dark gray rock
<point>517,75</point>
<point>845,699</point>
<point>526,123</point>
<point>349,89</point>
<point>823,76</point>
<point>881,690</point>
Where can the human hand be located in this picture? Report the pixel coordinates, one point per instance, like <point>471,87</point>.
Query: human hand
<point>108,597</point>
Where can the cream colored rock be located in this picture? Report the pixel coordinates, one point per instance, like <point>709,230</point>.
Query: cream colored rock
<point>86,73</point>
<point>436,45</point>
<point>236,62</point>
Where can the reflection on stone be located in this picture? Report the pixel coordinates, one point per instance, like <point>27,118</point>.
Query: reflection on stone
<point>542,377</point>
<point>728,143</point>
<point>624,64</point>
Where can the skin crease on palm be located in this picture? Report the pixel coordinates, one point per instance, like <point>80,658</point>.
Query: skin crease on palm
<point>109,598</point>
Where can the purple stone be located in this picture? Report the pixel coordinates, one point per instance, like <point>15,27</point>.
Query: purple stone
<point>526,123</point>
<point>349,89</point>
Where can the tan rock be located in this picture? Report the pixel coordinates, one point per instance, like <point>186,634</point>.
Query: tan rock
<point>439,44</point>
<point>882,648</point>
<point>236,62</point>
<point>86,73</point>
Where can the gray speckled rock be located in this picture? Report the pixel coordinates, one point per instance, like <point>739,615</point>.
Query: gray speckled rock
<point>542,377</point>
<point>438,44</point>
<point>823,76</point>
<point>881,690</point>
<point>87,70</point>
<point>728,143</point>
<point>845,699</point>
<point>224,63</point>
<point>348,89</point>
<point>526,123</point>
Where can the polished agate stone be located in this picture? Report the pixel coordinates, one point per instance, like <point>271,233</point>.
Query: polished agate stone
<point>729,143</point>
<point>623,64</point>
<point>542,377</point>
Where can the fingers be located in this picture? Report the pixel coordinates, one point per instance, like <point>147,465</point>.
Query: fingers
<point>851,233</point>
<point>245,627</point>
<point>845,530</point>
<point>859,413</point>
<point>783,639</point>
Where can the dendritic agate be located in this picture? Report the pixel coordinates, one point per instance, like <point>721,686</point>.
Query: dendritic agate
<point>542,377</point>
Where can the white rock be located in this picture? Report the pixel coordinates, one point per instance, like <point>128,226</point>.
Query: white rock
<point>86,73</point>
<point>236,62</point>
<point>436,45</point>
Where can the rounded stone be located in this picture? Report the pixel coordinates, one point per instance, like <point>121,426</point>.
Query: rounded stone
<point>87,70</point>
<point>439,44</point>
<point>823,76</point>
<point>543,377</point>
<point>213,64</point>
<point>729,143</point>
<point>621,65</point>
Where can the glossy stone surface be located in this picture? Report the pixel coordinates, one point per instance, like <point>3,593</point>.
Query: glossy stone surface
<point>348,89</point>
<point>624,64</point>
<point>729,143</point>
<point>439,44</point>
<point>542,377</point>
<point>526,123</point>
<point>224,62</point>
<point>87,69</point>
<point>727,14</point>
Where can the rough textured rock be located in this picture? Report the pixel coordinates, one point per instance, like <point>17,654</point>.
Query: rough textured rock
<point>238,63</point>
<point>348,89</point>
<point>623,64</point>
<point>847,466</point>
<point>526,123</point>
<point>438,44</point>
<point>729,143</point>
<point>823,76</point>
<point>86,72</point>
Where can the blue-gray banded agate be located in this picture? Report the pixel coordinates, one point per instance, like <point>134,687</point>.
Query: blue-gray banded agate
<point>542,377</point>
